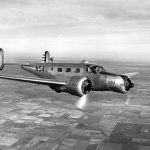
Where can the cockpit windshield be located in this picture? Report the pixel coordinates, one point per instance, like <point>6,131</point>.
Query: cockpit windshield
<point>96,69</point>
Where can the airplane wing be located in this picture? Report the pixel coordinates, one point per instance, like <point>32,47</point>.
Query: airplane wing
<point>131,74</point>
<point>33,80</point>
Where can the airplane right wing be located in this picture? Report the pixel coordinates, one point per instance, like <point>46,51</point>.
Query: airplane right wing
<point>34,80</point>
<point>131,74</point>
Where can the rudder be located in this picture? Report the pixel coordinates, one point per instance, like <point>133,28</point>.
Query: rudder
<point>1,59</point>
<point>46,57</point>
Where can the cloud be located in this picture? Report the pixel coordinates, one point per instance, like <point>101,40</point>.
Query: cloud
<point>21,13</point>
<point>105,26</point>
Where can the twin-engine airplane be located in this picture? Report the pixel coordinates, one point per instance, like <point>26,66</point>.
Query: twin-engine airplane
<point>75,78</point>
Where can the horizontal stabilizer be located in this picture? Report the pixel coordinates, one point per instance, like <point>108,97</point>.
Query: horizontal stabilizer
<point>16,64</point>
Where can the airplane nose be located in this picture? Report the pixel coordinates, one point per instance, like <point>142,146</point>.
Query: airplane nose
<point>120,84</point>
<point>132,85</point>
<point>128,84</point>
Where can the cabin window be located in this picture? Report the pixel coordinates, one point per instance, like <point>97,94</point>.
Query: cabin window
<point>77,70</point>
<point>68,69</point>
<point>59,69</point>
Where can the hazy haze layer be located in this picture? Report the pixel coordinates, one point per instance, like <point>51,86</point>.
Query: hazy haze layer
<point>103,29</point>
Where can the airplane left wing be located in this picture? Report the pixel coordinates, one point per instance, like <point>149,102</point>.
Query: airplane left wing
<point>33,80</point>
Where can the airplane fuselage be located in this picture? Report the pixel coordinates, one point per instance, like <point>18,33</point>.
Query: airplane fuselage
<point>100,79</point>
<point>74,78</point>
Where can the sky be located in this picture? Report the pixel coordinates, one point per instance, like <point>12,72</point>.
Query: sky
<point>100,29</point>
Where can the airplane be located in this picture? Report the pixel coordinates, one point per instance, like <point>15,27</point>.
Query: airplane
<point>78,79</point>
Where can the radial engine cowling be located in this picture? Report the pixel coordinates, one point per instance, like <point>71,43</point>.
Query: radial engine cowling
<point>127,83</point>
<point>79,86</point>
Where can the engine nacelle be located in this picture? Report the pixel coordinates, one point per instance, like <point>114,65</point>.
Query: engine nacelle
<point>120,83</point>
<point>127,83</point>
<point>78,86</point>
<point>1,59</point>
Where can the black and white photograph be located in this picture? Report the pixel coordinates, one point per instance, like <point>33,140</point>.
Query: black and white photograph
<point>74,75</point>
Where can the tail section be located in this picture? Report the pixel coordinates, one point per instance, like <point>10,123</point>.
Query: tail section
<point>1,59</point>
<point>46,57</point>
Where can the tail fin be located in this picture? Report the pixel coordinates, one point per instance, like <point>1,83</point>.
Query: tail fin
<point>46,57</point>
<point>1,59</point>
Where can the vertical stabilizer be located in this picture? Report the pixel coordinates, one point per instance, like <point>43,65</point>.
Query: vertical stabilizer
<point>1,59</point>
<point>46,57</point>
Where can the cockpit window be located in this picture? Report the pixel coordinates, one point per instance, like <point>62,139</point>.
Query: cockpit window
<point>95,69</point>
